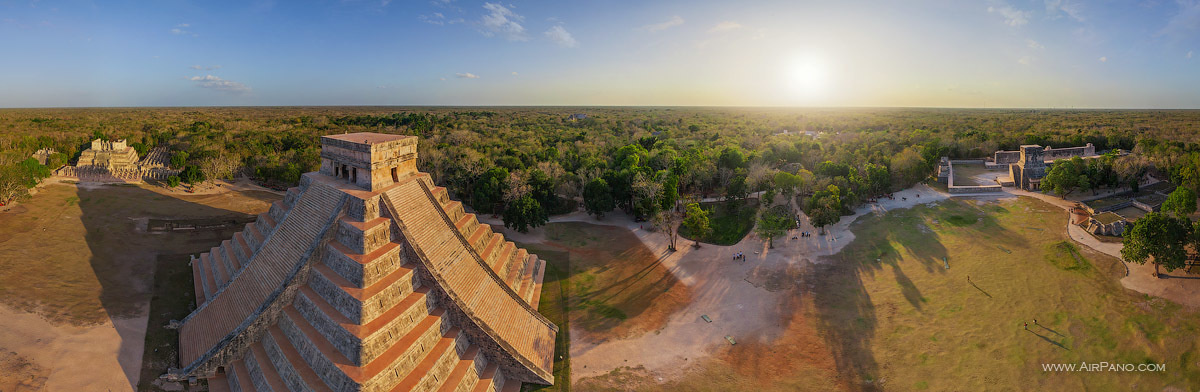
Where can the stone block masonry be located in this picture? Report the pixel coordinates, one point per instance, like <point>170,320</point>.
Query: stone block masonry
<point>341,290</point>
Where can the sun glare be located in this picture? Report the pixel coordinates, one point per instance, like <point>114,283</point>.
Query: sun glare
<point>809,77</point>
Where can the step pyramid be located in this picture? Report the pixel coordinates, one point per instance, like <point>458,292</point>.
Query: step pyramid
<point>367,277</point>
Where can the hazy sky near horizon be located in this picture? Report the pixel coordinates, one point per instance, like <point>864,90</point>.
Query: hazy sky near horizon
<point>942,53</point>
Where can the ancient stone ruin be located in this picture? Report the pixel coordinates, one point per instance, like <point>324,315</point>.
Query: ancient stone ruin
<point>108,161</point>
<point>112,154</point>
<point>367,277</point>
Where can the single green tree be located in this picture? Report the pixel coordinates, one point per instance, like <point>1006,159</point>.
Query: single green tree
<point>524,213</point>
<point>1181,202</point>
<point>772,223</point>
<point>191,174</point>
<point>597,198</point>
<point>696,221</point>
<point>1160,238</point>
<point>173,181</point>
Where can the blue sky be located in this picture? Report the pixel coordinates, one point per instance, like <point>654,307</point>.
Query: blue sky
<point>941,53</point>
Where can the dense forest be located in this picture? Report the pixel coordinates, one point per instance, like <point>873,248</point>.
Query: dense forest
<point>528,163</point>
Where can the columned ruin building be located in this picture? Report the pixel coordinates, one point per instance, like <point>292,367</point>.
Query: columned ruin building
<point>367,277</point>
<point>116,161</point>
<point>114,154</point>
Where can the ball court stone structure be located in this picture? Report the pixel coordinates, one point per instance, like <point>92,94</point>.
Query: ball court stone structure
<point>367,277</point>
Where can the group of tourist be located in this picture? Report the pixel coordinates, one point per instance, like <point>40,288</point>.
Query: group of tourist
<point>739,256</point>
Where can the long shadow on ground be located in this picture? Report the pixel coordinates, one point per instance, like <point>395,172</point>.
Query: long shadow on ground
<point>125,257</point>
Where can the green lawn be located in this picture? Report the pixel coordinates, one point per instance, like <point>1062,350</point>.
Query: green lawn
<point>173,299</point>
<point>895,313</point>
<point>553,305</point>
<point>728,226</point>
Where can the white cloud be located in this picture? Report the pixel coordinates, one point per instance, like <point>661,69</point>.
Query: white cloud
<point>439,19</point>
<point>1026,60</point>
<point>669,23</point>
<point>204,68</point>
<point>1012,17</point>
<point>561,37</point>
<point>1034,44</point>
<point>181,29</point>
<point>1189,55</point>
<point>218,84</point>
<point>1069,7</point>
<point>466,75</point>
<point>514,73</point>
<point>503,21</point>
<point>1103,59</point>
<point>725,26</point>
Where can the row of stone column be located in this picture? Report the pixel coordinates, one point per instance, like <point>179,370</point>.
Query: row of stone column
<point>99,172</point>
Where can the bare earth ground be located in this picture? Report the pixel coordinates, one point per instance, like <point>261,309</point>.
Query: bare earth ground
<point>807,322</point>
<point>76,269</point>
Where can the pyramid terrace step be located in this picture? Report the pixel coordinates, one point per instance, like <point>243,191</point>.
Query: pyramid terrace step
<point>463,223</point>
<point>219,383</point>
<point>360,374</point>
<point>465,364</point>
<point>364,258</point>
<point>197,282</point>
<point>255,237</point>
<point>243,376</point>
<point>514,268</point>
<point>266,368</point>
<point>210,286</point>
<point>296,361</point>
<point>277,212</point>
<point>494,244</point>
<point>440,194</point>
<point>504,256</point>
<point>528,270</point>
<point>478,239</point>
<point>242,249</point>
<point>487,379</point>
<point>220,275</point>
<point>231,259</point>
<point>265,224</point>
<point>535,295</point>
<point>363,294</point>
<point>427,371</point>
<point>362,331</point>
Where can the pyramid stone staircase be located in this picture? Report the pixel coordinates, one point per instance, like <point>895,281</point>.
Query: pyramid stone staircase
<point>379,286</point>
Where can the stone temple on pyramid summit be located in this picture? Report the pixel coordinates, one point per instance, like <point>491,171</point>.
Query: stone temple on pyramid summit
<point>366,277</point>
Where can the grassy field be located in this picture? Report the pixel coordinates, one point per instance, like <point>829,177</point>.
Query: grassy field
<point>894,315</point>
<point>553,305</point>
<point>886,313</point>
<point>728,226</point>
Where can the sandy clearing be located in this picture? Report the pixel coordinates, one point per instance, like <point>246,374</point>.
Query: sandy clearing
<point>97,358</point>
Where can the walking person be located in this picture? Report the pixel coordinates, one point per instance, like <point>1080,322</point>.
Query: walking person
<point>1026,326</point>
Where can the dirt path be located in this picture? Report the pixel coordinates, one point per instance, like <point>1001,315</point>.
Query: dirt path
<point>733,294</point>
